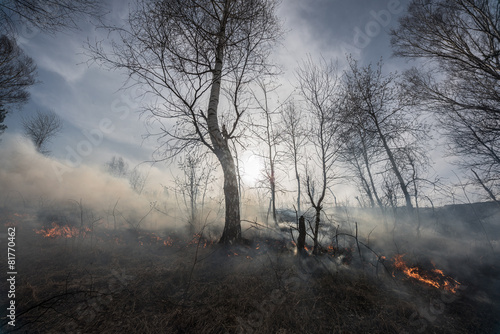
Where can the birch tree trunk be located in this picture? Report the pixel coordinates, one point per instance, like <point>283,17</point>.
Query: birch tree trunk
<point>232,225</point>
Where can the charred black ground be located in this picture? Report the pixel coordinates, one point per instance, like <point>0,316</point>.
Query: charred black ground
<point>111,281</point>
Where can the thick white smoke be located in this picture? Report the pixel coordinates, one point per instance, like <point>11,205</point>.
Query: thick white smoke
<point>29,179</point>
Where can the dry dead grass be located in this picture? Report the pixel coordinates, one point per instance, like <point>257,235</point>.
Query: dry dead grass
<point>67,286</point>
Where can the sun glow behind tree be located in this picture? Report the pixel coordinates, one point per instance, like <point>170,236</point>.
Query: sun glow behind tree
<point>251,169</point>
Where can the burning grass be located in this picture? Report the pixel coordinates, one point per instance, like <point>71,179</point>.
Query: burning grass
<point>65,231</point>
<point>144,282</point>
<point>434,277</point>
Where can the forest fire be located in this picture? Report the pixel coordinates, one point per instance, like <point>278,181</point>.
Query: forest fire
<point>65,231</point>
<point>435,277</point>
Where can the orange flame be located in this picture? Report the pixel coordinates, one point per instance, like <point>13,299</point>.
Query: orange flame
<point>62,231</point>
<point>168,241</point>
<point>197,238</point>
<point>446,282</point>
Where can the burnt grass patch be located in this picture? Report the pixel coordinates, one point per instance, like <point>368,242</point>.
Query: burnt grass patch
<point>143,285</point>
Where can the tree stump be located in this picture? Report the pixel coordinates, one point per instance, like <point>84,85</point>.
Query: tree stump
<point>301,240</point>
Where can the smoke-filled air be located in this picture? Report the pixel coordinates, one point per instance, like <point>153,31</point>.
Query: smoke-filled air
<point>263,166</point>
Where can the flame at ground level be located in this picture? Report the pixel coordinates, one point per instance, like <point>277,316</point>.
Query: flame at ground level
<point>65,231</point>
<point>437,279</point>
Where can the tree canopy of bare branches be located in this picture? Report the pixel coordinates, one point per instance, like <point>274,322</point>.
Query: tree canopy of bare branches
<point>41,128</point>
<point>294,140</point>
<point>382,120</point>
<point>460,39</point>
<point>3,113</point>
<point>187,53</point>
<point>46,15</point>
<point>17,73</point>
<point>268,136</point>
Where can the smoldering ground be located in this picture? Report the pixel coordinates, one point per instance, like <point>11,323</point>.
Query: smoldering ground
<point>260,287</point>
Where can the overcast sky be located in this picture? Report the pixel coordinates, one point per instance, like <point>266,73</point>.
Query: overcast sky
<point>90,99</point>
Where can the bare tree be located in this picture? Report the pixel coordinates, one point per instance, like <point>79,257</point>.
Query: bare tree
<point>417,163</point>
<point>294,140</point>
<point>46,15</point>
<point>137,180</point>
<point>359,150</point>
<point>41,128</point>
<point>269,137</point>
<point>117,167</point>
<point>17,73</point>
<point>186,53</point>
<point>375,100</point>
<point>391,191</point>
<point>197,175</point>
<point>320,87</point>
<point>461,83</point>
